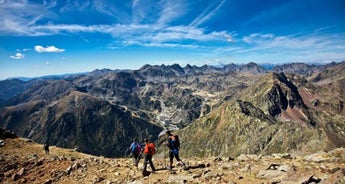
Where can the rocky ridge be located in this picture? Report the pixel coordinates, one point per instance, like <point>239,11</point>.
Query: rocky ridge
<point>247,108</point>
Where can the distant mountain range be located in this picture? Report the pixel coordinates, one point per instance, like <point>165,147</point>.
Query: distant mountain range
<point>229,109</point>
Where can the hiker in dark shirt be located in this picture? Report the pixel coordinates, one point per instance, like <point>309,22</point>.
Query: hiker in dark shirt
<point>173,143</point>
<point>46,147</point>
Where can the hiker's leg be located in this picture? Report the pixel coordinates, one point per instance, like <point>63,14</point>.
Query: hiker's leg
<point>151,163</point>
<point>145,161</point>
<point>137,160</point>
<point>134,158</point>
<point>171,156</point>
<point>177,156</point>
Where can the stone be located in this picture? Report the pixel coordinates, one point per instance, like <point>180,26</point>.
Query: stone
<point>210,175</point>
<point>21,172</point>
<point>312,179</point>
<point>318,158</point>
<point>231,158</point>
<point>218,159</point>
<point>243,158</point>
<point>269,174</point>
<point>282,155</point>
<point>76,165</point>
<point>69,169</point>
<point>15,177</point>
<point>49,181</point>
<point>39,162</point>
<point>273,167</point>
<point>286,168</point>
<point>197,175</point>
<point>2,143</point>
<point>246,168</point>
<point>97,179</point>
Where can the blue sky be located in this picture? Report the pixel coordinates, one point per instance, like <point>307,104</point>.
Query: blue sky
<point>45,37</point>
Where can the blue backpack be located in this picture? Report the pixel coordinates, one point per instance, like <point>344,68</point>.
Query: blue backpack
<point>135,148</point>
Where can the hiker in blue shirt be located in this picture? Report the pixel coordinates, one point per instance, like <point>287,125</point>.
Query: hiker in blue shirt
<point>135,150</point>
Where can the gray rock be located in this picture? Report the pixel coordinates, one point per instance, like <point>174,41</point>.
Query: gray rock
<point>246,168</point>
<point>197,175</point>
<point>319,157</point>
<point>243,158</point>
<point>21,172</point>
<point>269,174</point>
<point>210,175</point>
<point>49,181</point>
<point>218,159</point>
<point>282,156</point>
<point>15,177</point>
<point>286,168</point>
<point>76,165</point>
<point>311,179</point>
<point>2,142</point>
<point>69,169</point>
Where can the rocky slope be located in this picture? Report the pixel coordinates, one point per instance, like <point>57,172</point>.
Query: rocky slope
<point>24,161</point>
<point>273,115</point>
<point>81,121</point>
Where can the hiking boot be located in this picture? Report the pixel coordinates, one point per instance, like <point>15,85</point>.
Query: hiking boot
<point>184,166</point>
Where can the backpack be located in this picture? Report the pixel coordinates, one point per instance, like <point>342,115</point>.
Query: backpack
<point>152,149</point>
<point>135,148</point>
<point>174,142</point>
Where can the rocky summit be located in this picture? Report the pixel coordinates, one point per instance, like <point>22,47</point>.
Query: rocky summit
<point>24,161</point>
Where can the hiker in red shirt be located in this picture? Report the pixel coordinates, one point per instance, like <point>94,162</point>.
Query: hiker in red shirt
<point>149,151</point>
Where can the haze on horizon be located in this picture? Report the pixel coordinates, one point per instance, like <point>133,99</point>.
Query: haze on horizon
<point>51,37</point>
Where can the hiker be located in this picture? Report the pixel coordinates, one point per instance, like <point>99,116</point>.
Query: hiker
<point>173,143</point>
<point>46,147</point>
<point>135,150</point>
<point>149,151</point>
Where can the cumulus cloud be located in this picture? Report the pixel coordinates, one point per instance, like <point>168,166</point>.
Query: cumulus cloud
<point>52,48</point>
<point>17,56</point>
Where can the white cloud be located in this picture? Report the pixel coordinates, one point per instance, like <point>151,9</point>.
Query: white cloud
<point>23,50</point>
<point>17,56</point>
<point>171,10</point>
<point>139,25</point>
<point>51,48</point>
<point>266,41</point>
<point>260,47</point>
<point>208,13</point>
<point>19,16</point>
<point>141,33</point>
<point>151,44</point>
